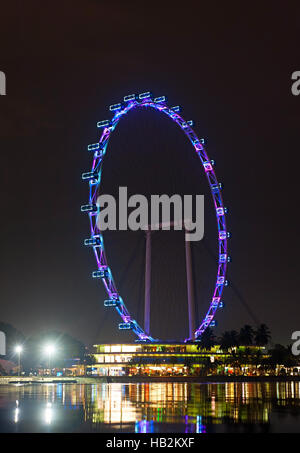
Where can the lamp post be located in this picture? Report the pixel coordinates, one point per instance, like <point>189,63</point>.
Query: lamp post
<point>19,349</point>
<point>49,349</point>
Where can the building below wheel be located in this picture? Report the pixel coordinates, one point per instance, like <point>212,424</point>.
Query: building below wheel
<point>173,359</point>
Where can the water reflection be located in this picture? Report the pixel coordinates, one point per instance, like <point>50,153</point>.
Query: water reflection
<point>17,412</point>
<point>151,407</point>
<point>48,415</point>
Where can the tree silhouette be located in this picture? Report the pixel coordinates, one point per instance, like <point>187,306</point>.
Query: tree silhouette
<point>246,335</point>
<point>207,341</point>
<point>262,335</point>
<point>229,339</point>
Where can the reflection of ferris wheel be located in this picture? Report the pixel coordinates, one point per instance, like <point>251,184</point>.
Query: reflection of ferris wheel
<point>96,239</point>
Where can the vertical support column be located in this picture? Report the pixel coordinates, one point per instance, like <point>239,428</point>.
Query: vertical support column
<point>190,288</point>
<point>147,282</point>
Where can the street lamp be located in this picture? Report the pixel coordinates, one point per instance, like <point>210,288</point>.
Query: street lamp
<point>18,350</point>
<point>49,350</point>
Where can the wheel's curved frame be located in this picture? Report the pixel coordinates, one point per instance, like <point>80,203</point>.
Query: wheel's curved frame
<point>96,241</point>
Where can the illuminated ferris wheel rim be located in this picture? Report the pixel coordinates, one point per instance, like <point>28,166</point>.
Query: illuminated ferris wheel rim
<point>96,240</point>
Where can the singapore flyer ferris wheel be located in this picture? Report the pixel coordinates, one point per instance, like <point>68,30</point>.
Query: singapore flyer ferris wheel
<point>95,241</point>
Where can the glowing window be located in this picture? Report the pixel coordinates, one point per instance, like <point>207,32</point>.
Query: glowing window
<point>129,348</point>
<point>116,348</point>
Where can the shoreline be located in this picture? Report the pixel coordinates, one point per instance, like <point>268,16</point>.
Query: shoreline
<point>14,380</point>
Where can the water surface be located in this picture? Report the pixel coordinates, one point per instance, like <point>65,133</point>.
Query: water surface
<point>151,407</point>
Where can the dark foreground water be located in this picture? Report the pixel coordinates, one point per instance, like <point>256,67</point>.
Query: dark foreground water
<point>151,407</point>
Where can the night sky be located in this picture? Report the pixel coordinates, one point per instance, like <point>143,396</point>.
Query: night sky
<point>229,66</point>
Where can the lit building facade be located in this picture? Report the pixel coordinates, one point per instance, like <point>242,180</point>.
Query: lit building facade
<point>165,359</point>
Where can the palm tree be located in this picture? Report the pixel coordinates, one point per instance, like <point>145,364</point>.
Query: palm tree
<point>229,339</point>
<point>225,341</point>
<point>262,335</point>
<point>246,335</point>
<point>207,341</point>
<point>234,338</point>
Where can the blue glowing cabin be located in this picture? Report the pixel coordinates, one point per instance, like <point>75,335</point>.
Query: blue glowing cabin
<point>222,258</point>
<point>125,325</point>
<point>145,95</point>
<point>216,187</point>
<point>90,175</point>
<point>221,280</point>
<point>95,146</point>
<point>129,97</point>
<point>103,123</point>
<point>111,303</point>
<point>222,235</point>
<point>114,107</point>
<point>94,241</point>
<point>89,207</point>
<point>160,99</point>
<point>101,273</point>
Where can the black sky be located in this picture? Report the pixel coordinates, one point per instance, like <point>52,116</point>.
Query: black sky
<point>229,65</point>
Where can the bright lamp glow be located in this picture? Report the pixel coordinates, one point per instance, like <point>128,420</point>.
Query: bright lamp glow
<point>49,349</point>
<point>19,349</point>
